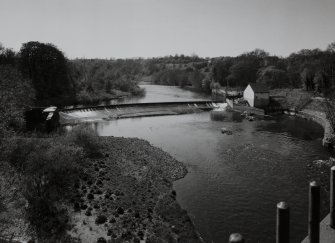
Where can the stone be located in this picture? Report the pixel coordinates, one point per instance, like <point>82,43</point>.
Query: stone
<point>102,240</point>
<point>101,219</point>
<point>225,130</point>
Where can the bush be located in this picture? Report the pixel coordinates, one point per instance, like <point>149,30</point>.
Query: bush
<point>49,168</point>
<point>86,138</point>
<point>138,91</point>
<point>101,219</point>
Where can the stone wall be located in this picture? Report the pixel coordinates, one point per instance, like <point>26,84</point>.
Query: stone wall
<point>321,118</point>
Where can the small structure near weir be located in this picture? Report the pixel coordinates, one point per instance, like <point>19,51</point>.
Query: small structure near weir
<point>43,119</point>
<point>257,95</point>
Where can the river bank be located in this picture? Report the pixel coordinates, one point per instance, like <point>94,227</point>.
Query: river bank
<point>127,196</point>
<point>315,111</point>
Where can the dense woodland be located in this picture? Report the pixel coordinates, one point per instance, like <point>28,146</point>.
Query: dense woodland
<point>37,171</point>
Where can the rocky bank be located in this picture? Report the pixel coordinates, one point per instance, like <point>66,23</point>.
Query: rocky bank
<point>125,195</point>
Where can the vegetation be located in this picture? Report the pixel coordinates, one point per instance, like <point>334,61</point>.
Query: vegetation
<point>312,70</point>
<point>17,93</point>
<point>98,79</point>
<point>39,175</point>
<point>47,67</point>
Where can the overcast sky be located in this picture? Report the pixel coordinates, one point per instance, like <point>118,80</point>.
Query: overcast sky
<point>147,28</point>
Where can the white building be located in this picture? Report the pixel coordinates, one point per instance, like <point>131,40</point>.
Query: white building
<point>257,95</point>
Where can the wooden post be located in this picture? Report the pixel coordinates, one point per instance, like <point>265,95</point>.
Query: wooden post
<point>314,213</point>
<point>283,223</point>
<point>236,238</point>
<point>332,197</point>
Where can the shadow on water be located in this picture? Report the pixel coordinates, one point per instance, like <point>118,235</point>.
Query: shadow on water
<point>293,126</point>
<point>226,116</point>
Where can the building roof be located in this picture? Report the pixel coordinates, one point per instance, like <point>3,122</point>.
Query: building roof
<point>259,88</point>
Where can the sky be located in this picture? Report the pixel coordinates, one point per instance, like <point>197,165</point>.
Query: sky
<point>152,28</point>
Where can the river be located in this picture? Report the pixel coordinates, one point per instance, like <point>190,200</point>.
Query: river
<point>234,181</point>
<point>161,93</point>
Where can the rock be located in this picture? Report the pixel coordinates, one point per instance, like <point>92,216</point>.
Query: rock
<point>329,141</point>
<point>76,207</point>
<point>102,240</point>
<point>225,130</point>
<point>90,196</point>
<point>99,183</point>
<point>101,219</point>
<point>88,213</point>
<point>112,220</point>
<point>83,206</point>
<point>120,210</point>
<point>250,118</point>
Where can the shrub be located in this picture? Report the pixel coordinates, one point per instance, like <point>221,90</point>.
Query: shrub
<point>48,169</point>
<point>101,219</point>
<point>86,138</point>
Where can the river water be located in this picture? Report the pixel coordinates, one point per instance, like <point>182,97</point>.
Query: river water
<point>234,181</point>
<point>162,93</point>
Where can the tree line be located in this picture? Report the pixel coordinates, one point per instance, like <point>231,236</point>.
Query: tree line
<point>312,70</point>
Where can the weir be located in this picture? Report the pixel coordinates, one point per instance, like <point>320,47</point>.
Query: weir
<point>131,110</point>
<point>204,103</point>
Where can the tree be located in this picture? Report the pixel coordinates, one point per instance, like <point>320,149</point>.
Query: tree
<point>320,82</point>
<point>331,47</point>
<point>49,169</point>
<point>273,77</point>
<point>220,70</point>
<point>16,95</point>
<point>47,67</point>
<point>7,56</point>
<point>307,76</point>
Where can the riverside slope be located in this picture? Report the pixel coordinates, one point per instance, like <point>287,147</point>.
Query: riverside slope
<point>126,196</point>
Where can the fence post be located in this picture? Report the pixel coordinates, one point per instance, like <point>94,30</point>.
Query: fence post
<point>283,223</point>
<point>314,213</point>
<point>236,238</point>
<point>332,197</point>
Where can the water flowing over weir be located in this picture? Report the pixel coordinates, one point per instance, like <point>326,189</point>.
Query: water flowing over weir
<point>119,111</point>
<point>234,181</point>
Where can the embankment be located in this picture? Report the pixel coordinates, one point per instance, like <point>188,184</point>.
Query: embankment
<point>126,196</point>
<point>320,117</point>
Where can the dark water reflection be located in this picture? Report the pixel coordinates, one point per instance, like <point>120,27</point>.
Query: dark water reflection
<point>234,182</point>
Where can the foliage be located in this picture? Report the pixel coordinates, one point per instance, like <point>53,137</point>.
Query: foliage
<point>11,203</point>
<point>47,67</point>
<point>49,168</point>
<point>313,70</point>
<point>7,56</point>
<point>16,95</point>
<point>273,77</point>
<point>86,138</point>
<point>96,79</point>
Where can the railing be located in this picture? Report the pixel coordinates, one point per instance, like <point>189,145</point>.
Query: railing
<point>283,215</point>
